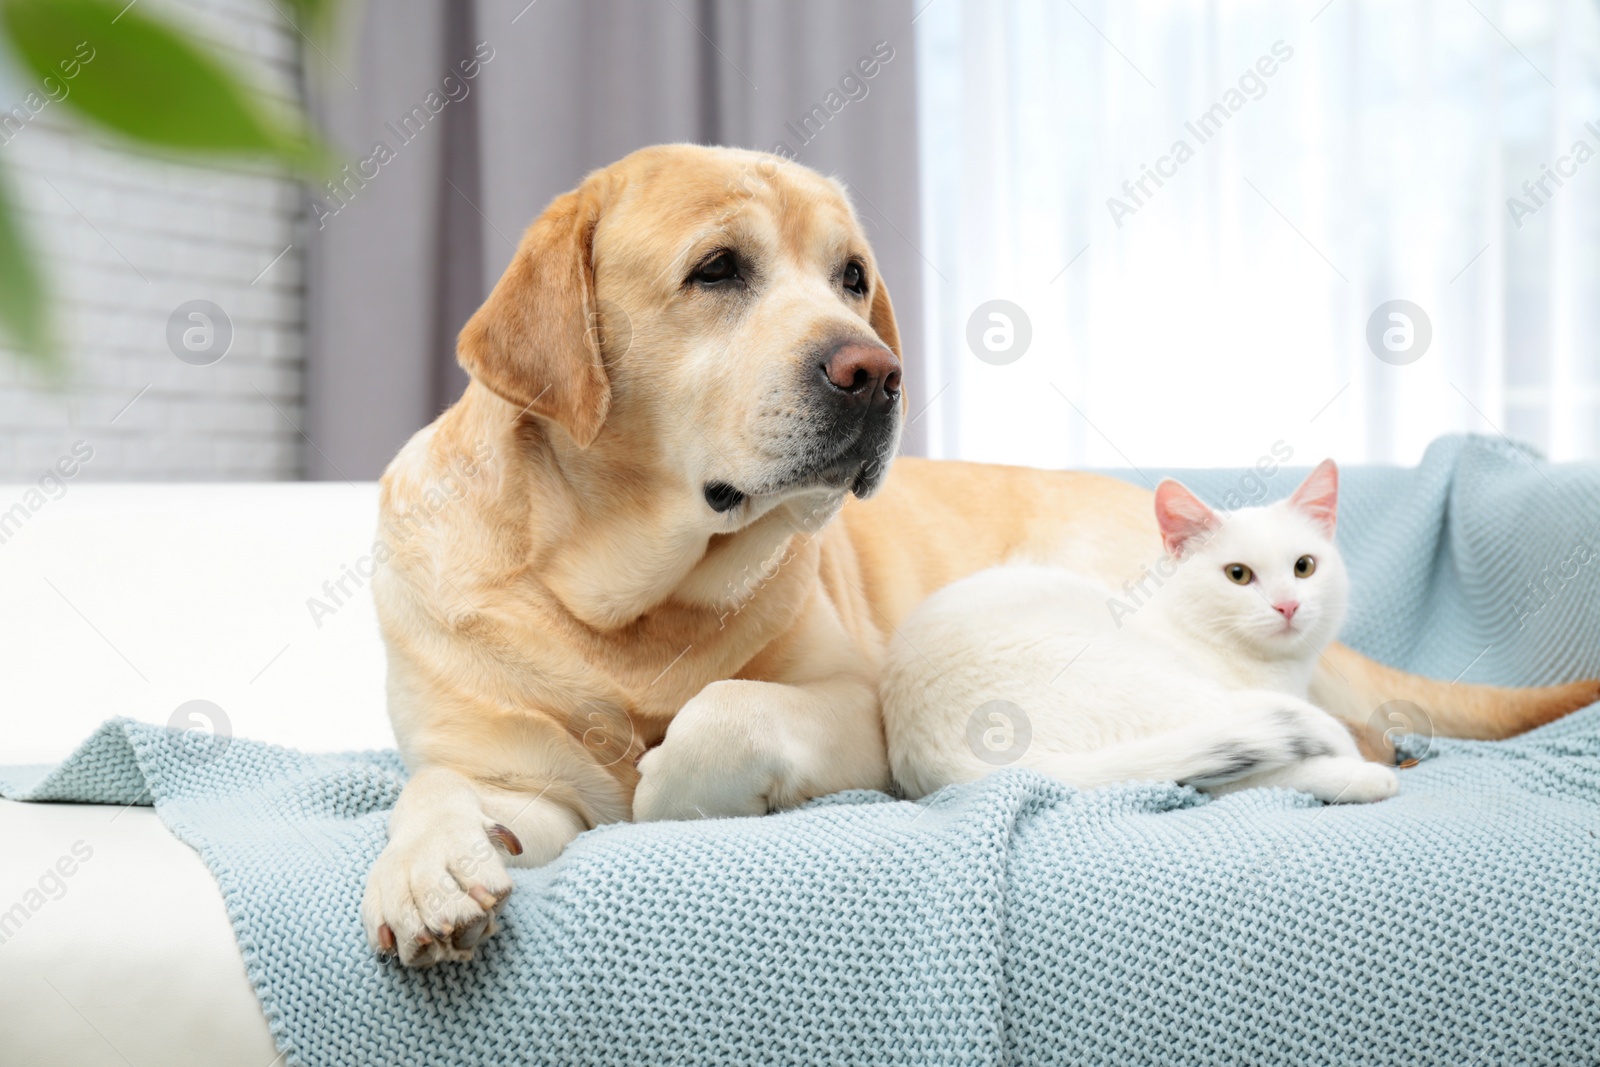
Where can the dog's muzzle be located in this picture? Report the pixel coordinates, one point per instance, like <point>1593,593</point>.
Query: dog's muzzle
<point>858,383</point>
<point>852,431</point>
<point>862,378</point>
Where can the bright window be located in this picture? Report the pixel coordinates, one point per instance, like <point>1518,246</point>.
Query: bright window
<point>1200,209</point>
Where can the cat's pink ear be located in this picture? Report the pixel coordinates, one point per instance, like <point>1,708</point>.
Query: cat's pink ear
<point>1181,515</point>
<point>1318,496</point>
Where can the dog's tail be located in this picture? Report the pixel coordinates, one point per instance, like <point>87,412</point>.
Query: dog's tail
<point>1377,702</point>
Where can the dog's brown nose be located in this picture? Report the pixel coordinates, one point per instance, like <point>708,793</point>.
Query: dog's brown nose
<point>865,373</point>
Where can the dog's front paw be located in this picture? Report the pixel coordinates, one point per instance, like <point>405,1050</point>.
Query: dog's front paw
<point>714,761</point>
<point>432,895</point>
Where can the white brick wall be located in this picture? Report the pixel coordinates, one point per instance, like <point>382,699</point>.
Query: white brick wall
<point>125,240</point>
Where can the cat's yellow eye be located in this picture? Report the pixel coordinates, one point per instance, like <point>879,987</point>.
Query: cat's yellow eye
<point>1305,567</point>
<point>1238,573</point>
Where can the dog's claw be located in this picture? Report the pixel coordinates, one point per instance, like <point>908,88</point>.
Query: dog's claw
<point>432,900</point>
<point>472,935</point>
<point>502,836</point>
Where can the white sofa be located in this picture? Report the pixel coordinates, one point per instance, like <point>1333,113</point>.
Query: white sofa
<point>135,600</point>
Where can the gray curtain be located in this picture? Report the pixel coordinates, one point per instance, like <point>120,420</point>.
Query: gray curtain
<point>408,240</point>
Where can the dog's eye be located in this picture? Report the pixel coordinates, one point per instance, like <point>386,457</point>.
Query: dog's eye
<point>855,278</point>
<point>1305,567</point>
<point>1237,573</point>
<point>722,267</point>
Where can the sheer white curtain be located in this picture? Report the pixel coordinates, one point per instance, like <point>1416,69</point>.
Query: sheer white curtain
<point>1280,173</point>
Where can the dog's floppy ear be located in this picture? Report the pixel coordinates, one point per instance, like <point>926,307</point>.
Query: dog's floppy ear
<point>882,319</point>
<point>530,342</point>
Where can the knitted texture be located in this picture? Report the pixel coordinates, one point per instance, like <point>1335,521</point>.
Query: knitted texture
<point>1012,920</point>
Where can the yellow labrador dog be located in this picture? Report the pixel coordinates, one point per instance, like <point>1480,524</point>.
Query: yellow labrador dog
<point>625,577</point>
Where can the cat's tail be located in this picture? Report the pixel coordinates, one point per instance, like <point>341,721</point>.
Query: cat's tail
<point>1377,702</point>
<point>1265,731</point>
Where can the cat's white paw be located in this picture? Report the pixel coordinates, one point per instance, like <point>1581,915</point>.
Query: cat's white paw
<point>1331,779</point>
<point>1311,732</point>
<point>1339,780</point>
<point>1366,783</point>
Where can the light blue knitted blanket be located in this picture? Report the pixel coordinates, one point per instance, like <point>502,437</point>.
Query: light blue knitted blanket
<point>1013,920</point>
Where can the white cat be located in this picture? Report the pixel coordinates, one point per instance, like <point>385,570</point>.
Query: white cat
<point>1199,675</point>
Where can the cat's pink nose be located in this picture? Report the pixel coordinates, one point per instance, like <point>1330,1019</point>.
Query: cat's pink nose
<point>1287,609</point>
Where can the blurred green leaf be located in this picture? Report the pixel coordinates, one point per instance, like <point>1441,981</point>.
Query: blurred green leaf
<point>24,308</point>
<point>146,81</point>
<point>314,16</point>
